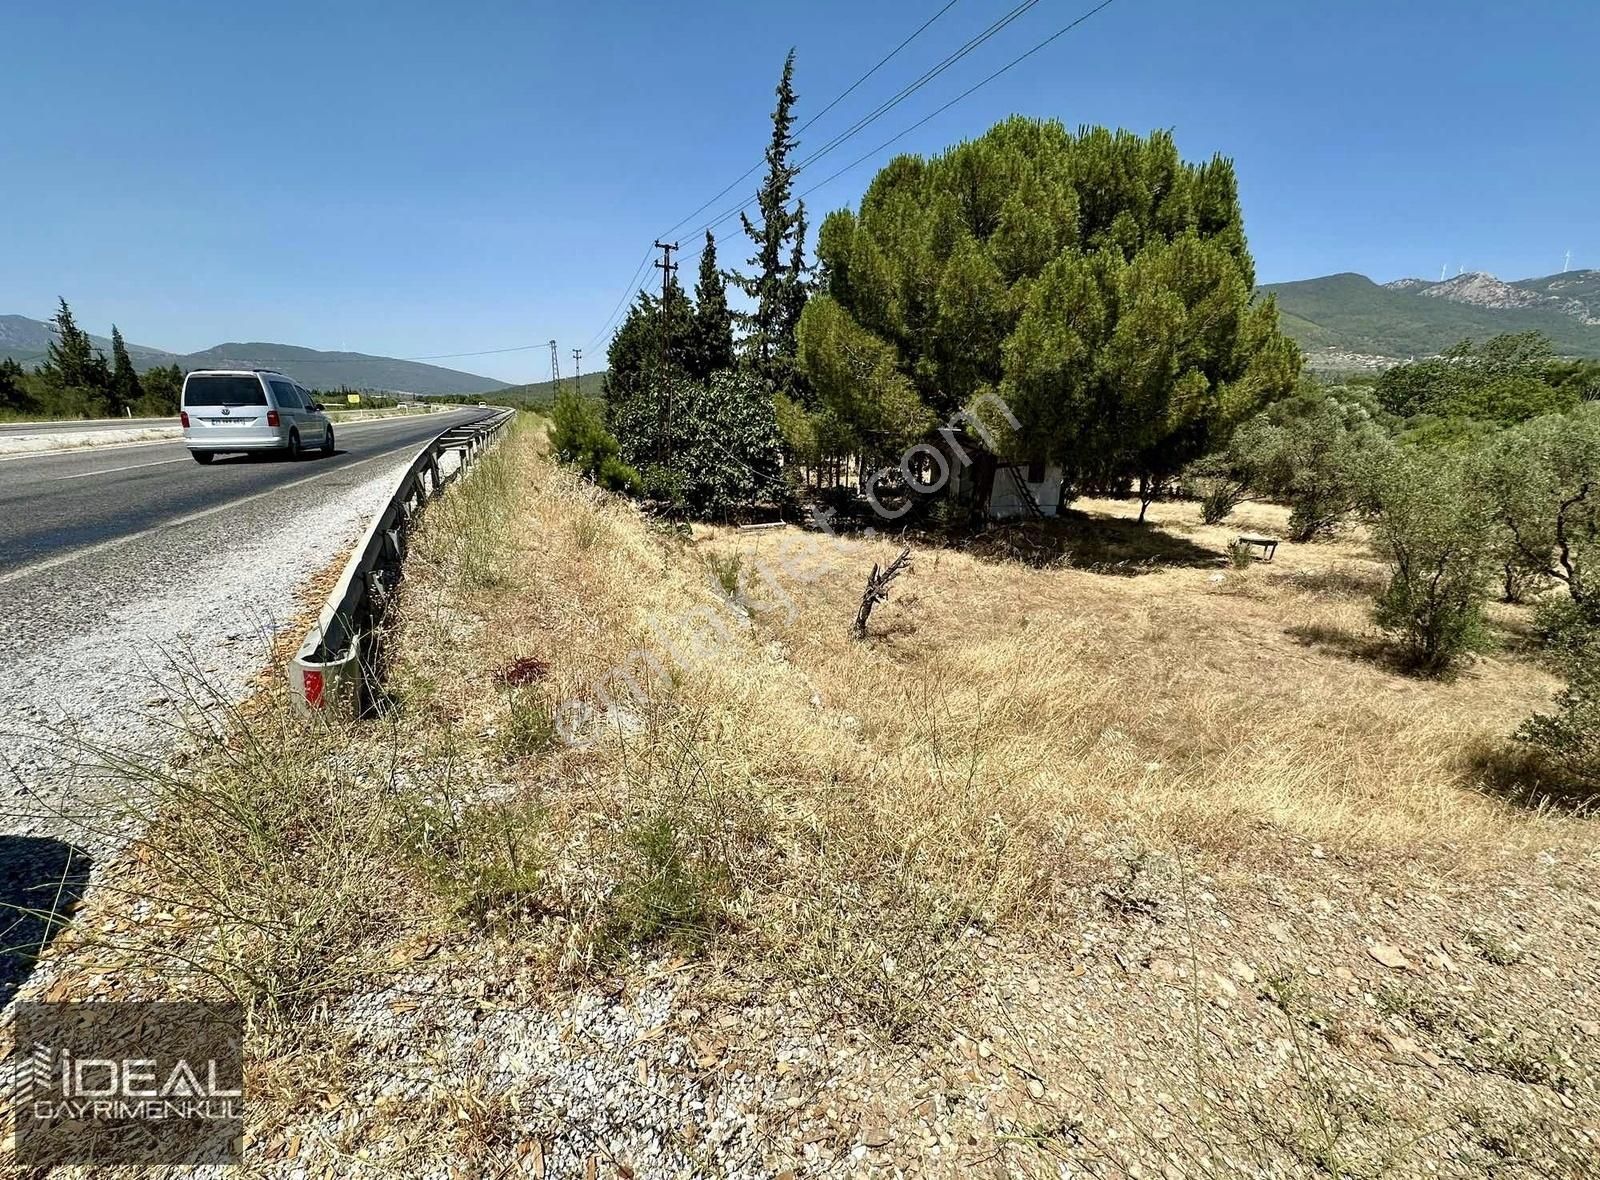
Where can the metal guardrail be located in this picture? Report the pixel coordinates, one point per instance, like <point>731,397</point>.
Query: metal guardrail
<point>337,663</point>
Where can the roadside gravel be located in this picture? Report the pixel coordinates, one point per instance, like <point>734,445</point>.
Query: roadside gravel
<point>103,651</point>
<point>72,440</point>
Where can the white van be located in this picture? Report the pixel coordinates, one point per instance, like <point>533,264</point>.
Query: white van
<point>250,410</point>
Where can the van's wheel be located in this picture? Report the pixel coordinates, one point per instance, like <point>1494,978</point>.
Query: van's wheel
<point>203,456</point>
<point>296,451</point>
<point>327,443</point>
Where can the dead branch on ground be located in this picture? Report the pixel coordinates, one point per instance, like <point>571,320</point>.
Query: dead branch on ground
<point>878,590</point>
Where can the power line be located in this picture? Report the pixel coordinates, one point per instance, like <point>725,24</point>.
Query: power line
<point>885,107</point>
<point>883,61</point>
<point>445,356</point>
<point>941,110</point>
<point>634,287</point>
<point>911,88</point>
<point>889,104</point>
<point>628,292</point>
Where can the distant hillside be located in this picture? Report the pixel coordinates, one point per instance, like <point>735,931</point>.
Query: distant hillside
<point>1348,317</point>
<point>26,340</point>
<point>329,370</point>
<point>543,393</point>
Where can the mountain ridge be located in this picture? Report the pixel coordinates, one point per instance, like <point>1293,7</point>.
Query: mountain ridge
<point>25,340</point>
<point>1347,320</point>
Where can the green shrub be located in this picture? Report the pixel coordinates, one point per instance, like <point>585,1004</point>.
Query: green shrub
<point>1565,629</point>
<point>721,451</point>
<point>1542,479</point>
<point>1220,482</point>
<point>1568,740</point>
<point>486,862</point>
<point>1436,536</point>
<point>529,727</point>
<point>1218,499</point>
<point>725,570</point>
<point>668,894</point>
<point>664,486</point>
<point>618,476</point>
<point>579,436</point>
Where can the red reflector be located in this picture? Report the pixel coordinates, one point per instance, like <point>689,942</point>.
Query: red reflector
<point>313,683</point>
<point>272,417</point>
<point>183,416</point>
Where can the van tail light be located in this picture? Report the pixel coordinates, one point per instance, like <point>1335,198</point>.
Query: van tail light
<point>272,417</point>
<point>183,417</point>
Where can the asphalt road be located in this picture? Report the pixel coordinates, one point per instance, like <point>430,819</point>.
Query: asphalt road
<point>54,508</point>
<point>142,594</point>
<point>81,426</point>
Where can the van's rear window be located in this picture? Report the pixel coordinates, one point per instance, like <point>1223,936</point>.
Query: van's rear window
<point>224,391</point>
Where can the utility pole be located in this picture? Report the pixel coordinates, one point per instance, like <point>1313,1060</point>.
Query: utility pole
<point>668,269</point>
<point>555,370</point>
<point>577,369</point>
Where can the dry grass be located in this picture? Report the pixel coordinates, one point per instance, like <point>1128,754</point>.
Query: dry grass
<point>953,769</point>
<point>983,817</point>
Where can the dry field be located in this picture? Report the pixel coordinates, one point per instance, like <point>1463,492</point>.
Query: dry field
<point>1132,865</point>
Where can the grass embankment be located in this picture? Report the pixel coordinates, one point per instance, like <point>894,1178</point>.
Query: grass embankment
<point>1148,861</point>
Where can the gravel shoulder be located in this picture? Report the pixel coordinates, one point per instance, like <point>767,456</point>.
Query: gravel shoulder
<point>118,652</point>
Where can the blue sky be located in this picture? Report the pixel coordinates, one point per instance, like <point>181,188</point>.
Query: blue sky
<point>418,178</point>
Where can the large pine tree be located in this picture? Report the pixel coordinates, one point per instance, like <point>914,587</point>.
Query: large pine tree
<point>713,320</point>
<point>1097,282</point>
<point>125,389</point>
<point>777,285</point>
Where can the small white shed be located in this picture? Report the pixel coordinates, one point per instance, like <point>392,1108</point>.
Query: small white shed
<point>1013,488</point>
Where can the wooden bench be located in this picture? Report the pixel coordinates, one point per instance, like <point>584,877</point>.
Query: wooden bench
<point>1267,545</point>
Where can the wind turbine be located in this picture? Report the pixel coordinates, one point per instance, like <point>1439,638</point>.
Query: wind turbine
<point>1567,262</point>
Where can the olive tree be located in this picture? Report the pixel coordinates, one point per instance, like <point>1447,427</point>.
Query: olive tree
<point>1435,532</point>
<point>1543,483</point>
<point>1316,453</point>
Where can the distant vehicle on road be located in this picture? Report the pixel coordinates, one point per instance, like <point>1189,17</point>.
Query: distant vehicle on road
<point>226,410</point>
<point>483,405</point>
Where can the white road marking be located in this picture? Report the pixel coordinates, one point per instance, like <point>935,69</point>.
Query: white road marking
<point>39,567</point>
<point>110,470</point>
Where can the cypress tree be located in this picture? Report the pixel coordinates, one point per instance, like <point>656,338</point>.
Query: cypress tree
<point>71,359</point>
<point>635,378</point>
<point>713,321</point>
<point>125,388</point>
<point>779,239</point>
<point>13,391</point>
